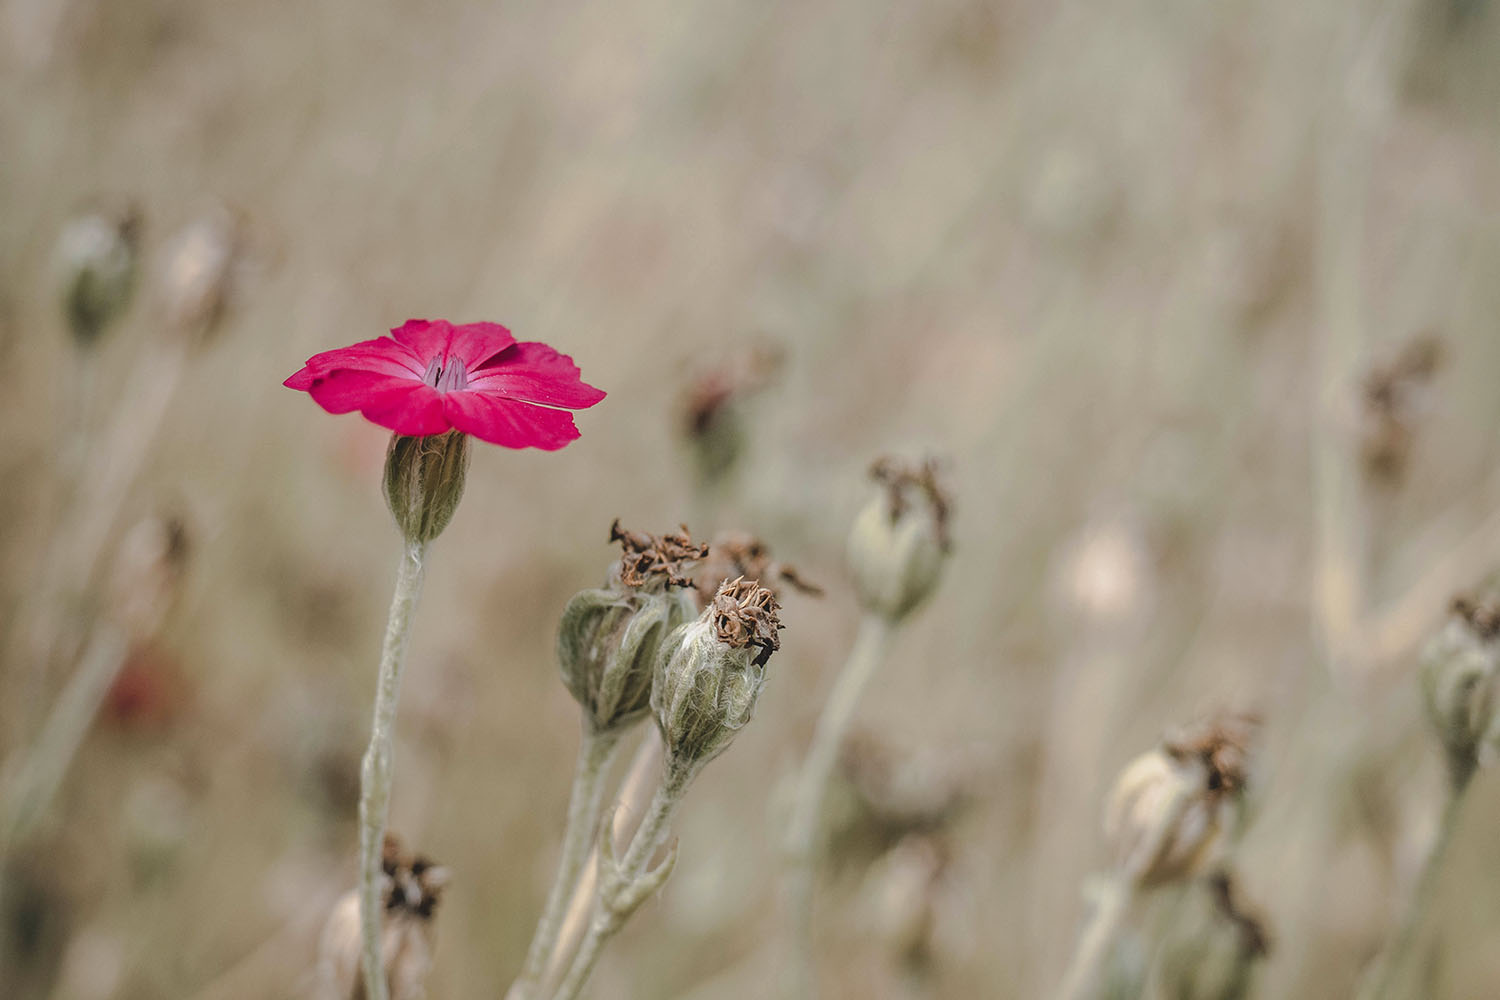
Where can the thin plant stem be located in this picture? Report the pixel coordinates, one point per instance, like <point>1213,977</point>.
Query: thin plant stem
<point>634,795</point>
<point>1385,979</point>
<point>812,784</point>
<point>41,773</point>
<point>1098,939</point>
<point>595,754</point>
<point>375,773</point>
<point>609,918</point>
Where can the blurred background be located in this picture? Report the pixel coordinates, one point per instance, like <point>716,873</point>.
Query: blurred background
<point>1195,301</point>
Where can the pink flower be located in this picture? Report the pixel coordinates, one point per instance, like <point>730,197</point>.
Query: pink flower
<point>431,376</point>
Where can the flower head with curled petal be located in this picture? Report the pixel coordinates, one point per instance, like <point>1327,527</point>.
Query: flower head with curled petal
<point>432,376</point>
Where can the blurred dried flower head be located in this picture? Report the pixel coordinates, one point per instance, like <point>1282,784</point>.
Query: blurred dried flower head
<point>900,541</point>
<point>96,260</point>
<point>902,790</point>
<point>735,554</point>
<point>713,419</point>
<point>147,575</point>
<point>1460,672</point>
<point>1170,806</point>
<point>411,888</point>
<point>1394,396</point>
<point>198,271</point>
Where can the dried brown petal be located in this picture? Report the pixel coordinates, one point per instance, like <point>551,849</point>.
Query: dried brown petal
<point>1222,742</point>
<point>740,554</point>
<point>647,560</point>
<point>744,614</point>
<point>899,475</point>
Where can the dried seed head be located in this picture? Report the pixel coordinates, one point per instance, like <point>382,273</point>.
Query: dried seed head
<point>740,554</point>
<point>653,562</point>
<point>713,419</point>
<point>411,889</point>
<point>198,272</point>
<point>97,260</point>
<point>710,672</point>
<point>608,638</point>
<point>147,575</point>
<point>900,540</point>
<point>424,480</point>
<point>1460,668</point>
<point>1170,806</point>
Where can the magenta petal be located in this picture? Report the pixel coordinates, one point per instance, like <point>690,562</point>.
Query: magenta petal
<point>509,423</point>
<point>405,406</point>
<point>302,379</point>
<point>427,339</point>
<point>535,373</point>
<point>379,355</point>
<point>476,343</point>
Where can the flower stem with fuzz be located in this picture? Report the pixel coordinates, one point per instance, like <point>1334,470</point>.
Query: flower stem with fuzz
<point>625,884</point>
<point>1087,967</point>
<point>594,757</point>
<point>375,773</point>
<point>864,659</point>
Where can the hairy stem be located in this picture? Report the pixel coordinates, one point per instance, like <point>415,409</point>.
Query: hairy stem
<point>634,795</point>
<point>864,659</point>
<point>375,774</point>
<point>595,754</point>
<point>1087,967</point>
<point>1393,968</point>
<point>609,915</point>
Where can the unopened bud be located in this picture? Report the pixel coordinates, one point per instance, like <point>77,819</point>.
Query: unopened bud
<point>97,258</point>
<point>1461,687</point>
<point>424,480</point>
<point>1170,807</point>
<point>410,890</point>
<point>711,671</point>
<point>900,542</point>
<point>198,272</point>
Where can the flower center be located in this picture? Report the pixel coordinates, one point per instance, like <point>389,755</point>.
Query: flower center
<point>450,379</point>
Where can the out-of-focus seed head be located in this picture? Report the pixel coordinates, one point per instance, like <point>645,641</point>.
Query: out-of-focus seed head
<point>1170,807</point>
<point>1393,395</point>
<point>711,670</point>
<point>714,422</point>
<point>608,638</point>
<point>97,255</point>
<point>411,888</point>
<point>900,541</point>
<point>1460,668</point>
<point>198,271</point>
<point>147,575</point>
<point>424,480</point>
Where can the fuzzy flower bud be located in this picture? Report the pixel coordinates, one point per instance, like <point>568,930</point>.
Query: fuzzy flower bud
<point>1461,687</point>
<point>424,480</point>
<point>609,637</point>
<point>1170,806</point>
<point>711,671</point>
<point>900,540</point>
<point>97,258</point>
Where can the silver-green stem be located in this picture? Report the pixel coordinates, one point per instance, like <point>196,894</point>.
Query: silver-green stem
<point>41,772</point>
<point>595,754</point>
<point>1385,980</point>
<point>375,774</point>
<point>807,809</point>
<point>1098,939</point>
<point>608,918</point>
